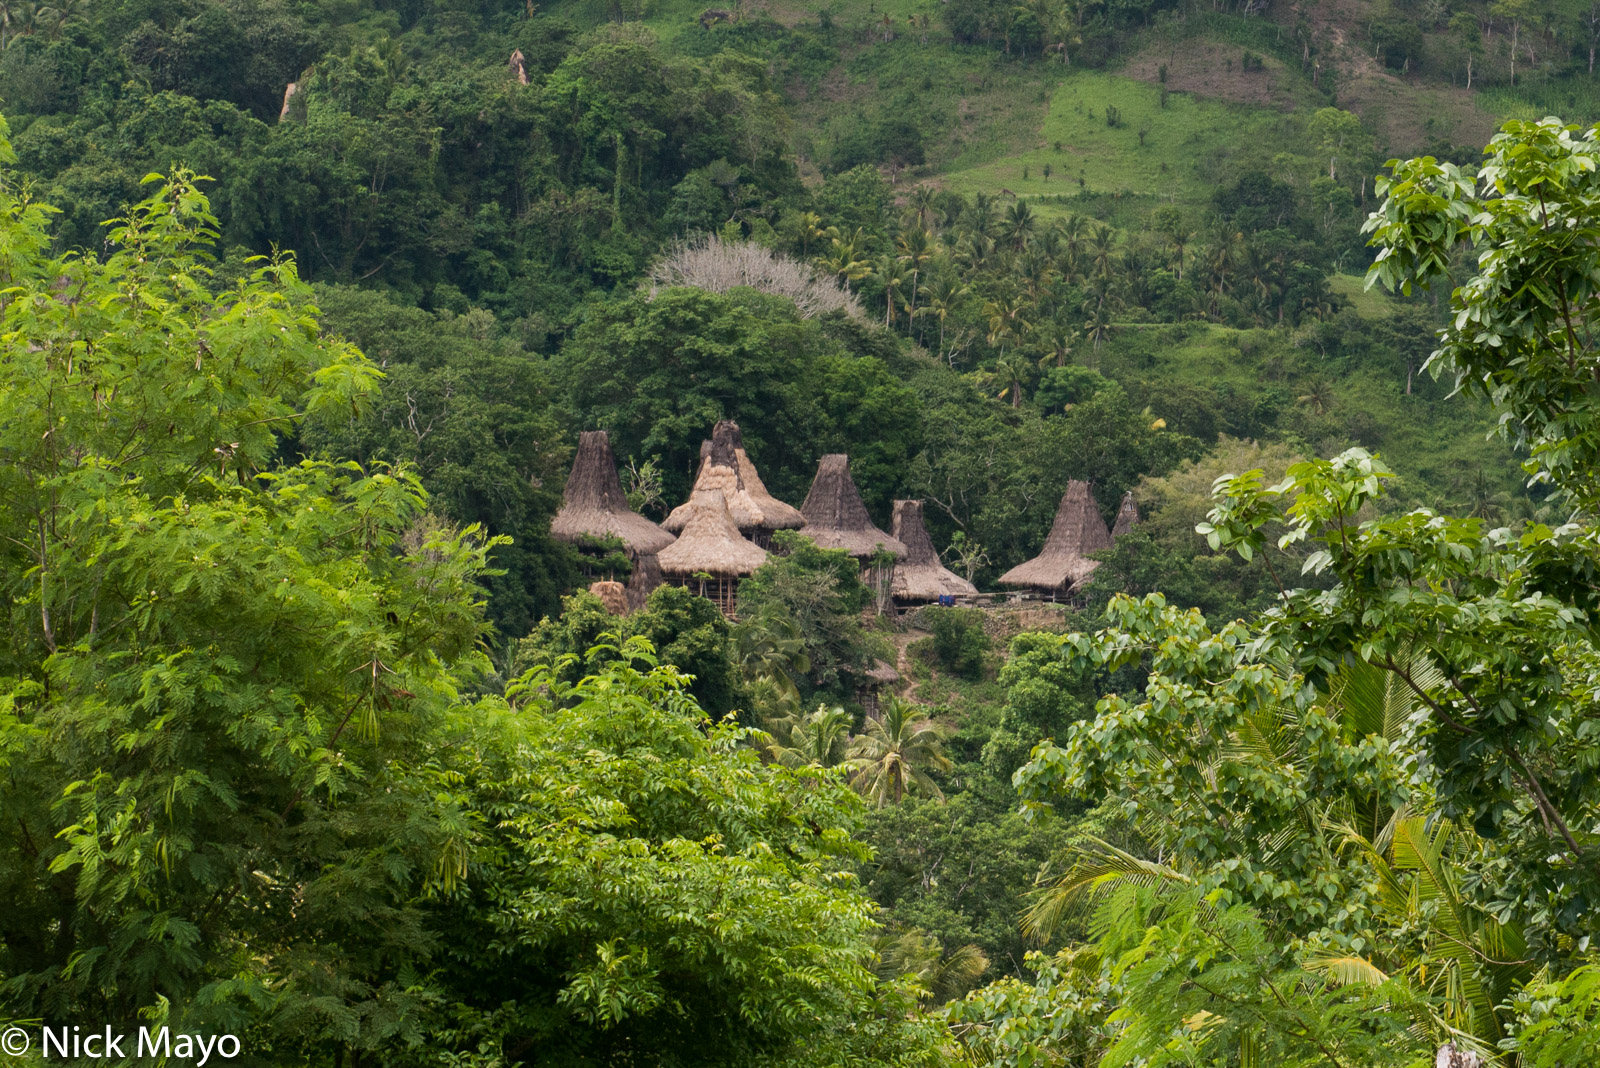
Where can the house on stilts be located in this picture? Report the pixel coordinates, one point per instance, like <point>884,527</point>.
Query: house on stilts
<point>710,556</point>
<point>836,518</point>
<point>726,468</point>
<point>1063,565</point>
<point>921,578</point>
<point>595,510</point>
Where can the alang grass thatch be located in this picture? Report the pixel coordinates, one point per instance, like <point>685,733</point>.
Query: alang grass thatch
<point>712,546</point>
<point>921,576</point>
<point>594,506</point>
<point>1127,516</point>
<point>776,515</point>
<point>835,516</point>
<point>1063,562</point>
<point>726,469</point>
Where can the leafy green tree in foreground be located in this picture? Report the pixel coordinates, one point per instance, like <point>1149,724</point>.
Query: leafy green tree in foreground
<point>648,889</point>
<point>217,673</point>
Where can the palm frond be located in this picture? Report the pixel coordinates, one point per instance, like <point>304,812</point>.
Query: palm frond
<point>1099,865</point>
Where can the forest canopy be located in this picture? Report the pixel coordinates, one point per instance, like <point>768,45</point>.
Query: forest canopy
<point>320,731</point>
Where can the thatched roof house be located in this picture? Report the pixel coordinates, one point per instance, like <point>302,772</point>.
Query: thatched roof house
<point>595,507</point>
<point>921,576</point>
<point>711,545</point>
<point>1063,562</point>
<point>726,469</point>
<point>1127,516</point>
<point>775,514</point>
<point>835,516</point>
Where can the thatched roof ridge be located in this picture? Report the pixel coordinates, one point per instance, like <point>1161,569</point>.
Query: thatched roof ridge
<point>594,505</point>
<point>835,516</point>
<point>882,672</point>
<point>776,515</point>
<point>921,576</point>
<point>719,472</point>
<point>724,467</point>
<point>711,542</point>
<point>1063,562</point>
<point>1127,516</point>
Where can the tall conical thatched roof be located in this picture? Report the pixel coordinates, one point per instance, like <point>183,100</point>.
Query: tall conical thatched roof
<point>920,576</point>
<point>775,514</point>
<point>711,542</point>
<point>1127,516</point>
<point>1063,562</point>
<point>724,467</point>
<point>835,516</point>
<point>594,504</point>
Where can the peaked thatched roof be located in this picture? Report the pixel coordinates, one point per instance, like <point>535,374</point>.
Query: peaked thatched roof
<point>724,467</point>
<point>920,576</point>
<point>594,505</point>
<point>711,542</point>
<point>775,514</point>
<point>835,516</point>
<point>1063,562</point>
<point>1127,516</point>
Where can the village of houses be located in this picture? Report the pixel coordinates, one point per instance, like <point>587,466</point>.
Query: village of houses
<point>723,533</point>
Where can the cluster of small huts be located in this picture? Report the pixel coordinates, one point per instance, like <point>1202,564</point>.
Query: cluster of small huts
<point>723,531</point>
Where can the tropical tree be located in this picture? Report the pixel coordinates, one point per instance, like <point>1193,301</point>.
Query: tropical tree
<point>223,672</point>
<point>916,248</point>
<point>845,259</point>
<point>769,648</point>
<point>894,754</point>
<point>817,738</point>
<point>1018,224</point>
<point>942,296</point>
<point>1009,372</point>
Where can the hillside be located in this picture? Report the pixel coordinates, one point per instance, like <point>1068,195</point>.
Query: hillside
<point>1227,699</point>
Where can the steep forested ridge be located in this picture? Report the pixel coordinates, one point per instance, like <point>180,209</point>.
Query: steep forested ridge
<point>312,734</point>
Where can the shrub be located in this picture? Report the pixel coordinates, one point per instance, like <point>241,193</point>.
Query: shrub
<point>957,643</point>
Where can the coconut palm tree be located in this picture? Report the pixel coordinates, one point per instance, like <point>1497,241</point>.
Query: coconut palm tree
<point>1102,251</point>
<point>975,251</point>
<point>893,755</point>
<point>1059,341</point>
<point>1097,327</point>
<point>769,646</point>
<point>921,201</point>
<point>944,976</point>
<point>818,738</point>
<point>1009,372</point>
<point>916,248</point>
<point>1018,224</point>
<point>941,296</point>
<point>845,259</point>
<point>980,216</point>
<point>808,228</point>
<point>1318,395</point>
<point>893,276</point>
<point>1179,239</point>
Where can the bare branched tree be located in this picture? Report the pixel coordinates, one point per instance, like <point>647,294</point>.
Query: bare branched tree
<point>708,262</point>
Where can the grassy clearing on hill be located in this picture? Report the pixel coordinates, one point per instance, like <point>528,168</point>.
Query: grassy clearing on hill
<point>1180,153</point>
<point>1368,303</point>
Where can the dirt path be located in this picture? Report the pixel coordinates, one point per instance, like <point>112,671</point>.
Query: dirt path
<point>902,661</point>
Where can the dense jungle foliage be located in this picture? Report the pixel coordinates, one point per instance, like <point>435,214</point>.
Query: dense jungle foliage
<point>312,734</point>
